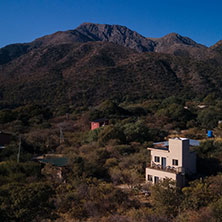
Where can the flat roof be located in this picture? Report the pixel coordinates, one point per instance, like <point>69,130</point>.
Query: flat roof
<point>158,148</point>
<point>166,143</point>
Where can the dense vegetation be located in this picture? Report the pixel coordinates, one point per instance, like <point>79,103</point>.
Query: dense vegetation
<point>50,91</point>
<point>87,74</point>
<point>103,178</point>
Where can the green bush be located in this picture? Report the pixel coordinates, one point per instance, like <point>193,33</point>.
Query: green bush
<point>25,202</point>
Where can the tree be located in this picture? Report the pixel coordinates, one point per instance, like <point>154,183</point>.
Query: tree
<point>197,195</point>
<point>24,202</point>
<point>11,172</point>
<point>216,209</point>
<point>136,132</point>
<point>109,133</point>
<point>202,215</point>
<point>7,116</point>
<point>166,197</point>
<point>177,113</point>
<point>208,118</point>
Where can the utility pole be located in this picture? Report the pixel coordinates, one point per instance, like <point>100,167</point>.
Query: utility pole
<point>19,148</point>
<point>61,138</point>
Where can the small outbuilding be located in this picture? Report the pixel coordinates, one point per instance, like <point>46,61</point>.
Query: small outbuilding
<point>53,166</point>
<point>99,123</point>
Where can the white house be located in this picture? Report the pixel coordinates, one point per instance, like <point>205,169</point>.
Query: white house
<point>171,160</point>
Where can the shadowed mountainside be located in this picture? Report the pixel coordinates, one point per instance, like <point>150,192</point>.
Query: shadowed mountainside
<point>87,73</point>
<point>96,62</point>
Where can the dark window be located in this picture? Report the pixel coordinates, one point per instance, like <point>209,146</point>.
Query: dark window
<point>157,159</point>
<point>175,162</point>
<point>149,177</point>
<point>156,179</point>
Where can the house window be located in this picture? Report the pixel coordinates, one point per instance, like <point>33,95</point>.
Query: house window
<point>157,159</point>
<point>175,162</point>
<point>156,179</point>
<point>150,178</point>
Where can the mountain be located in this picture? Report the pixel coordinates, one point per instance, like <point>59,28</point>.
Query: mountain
<point>87,73</point>
<point>171,44</point>
<point>96,62</point>
<point>120,35</point>
<point>176,44</point>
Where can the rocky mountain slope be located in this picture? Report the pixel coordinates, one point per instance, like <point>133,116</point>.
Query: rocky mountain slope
<point>172,43</point>
<point>97,62</point>
<point>88,73</point>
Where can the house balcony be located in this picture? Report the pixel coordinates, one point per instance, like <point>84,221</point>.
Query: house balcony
<point>170,169</point>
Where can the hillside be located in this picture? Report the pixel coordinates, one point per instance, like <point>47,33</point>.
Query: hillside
<point>60,166</point>
<point>88,73</point>
<point>96,62</point>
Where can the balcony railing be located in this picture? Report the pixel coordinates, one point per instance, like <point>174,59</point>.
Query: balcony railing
<point>167,168</point>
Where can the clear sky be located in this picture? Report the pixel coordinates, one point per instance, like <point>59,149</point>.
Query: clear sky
<point>26,20</point>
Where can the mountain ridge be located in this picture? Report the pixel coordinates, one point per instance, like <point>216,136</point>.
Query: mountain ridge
<point>86,66</point>
<point>172,43</point>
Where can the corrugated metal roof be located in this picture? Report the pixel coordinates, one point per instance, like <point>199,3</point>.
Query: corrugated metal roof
<point>59,161</point>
